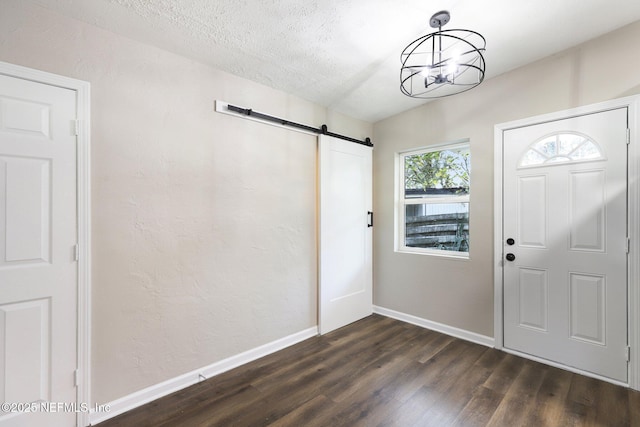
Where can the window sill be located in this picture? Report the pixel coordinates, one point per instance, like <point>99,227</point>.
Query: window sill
<point>461,256</point>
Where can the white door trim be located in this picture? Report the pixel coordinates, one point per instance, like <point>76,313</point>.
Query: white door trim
<point>82,90</point>
<point>633,203</point>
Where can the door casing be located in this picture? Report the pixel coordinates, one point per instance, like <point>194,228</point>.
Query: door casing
<point>633,215</point>
<point>83,169</point>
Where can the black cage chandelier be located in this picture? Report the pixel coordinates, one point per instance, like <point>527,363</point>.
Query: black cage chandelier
<point>442,63</point>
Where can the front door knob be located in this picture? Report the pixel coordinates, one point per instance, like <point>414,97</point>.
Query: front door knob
<point>510,257</point>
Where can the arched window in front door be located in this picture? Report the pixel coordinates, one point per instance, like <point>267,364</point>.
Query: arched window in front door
<point>561,147</point>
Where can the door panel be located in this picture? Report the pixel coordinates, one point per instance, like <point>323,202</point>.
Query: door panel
<point>38,232</point>
<point>587,308</point>
<point>533,291</point>
<point>565,289</point>
<point>586,210</point>
<point>532,211</point>
<point>25,117</point>
<point>346,293</point>
<point>25,327</point>
<point>26,208</point>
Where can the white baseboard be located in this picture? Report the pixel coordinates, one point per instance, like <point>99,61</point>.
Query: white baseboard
<point>439,327</point>
<point>172,385</point>
<point>164,388</point>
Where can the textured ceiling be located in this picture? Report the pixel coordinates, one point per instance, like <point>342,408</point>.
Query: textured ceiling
<point>345,54</point>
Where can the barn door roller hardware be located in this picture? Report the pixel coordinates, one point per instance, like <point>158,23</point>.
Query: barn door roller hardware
<point>321,130</point>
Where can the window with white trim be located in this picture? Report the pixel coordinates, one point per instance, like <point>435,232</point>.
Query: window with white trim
<point>433,187</point>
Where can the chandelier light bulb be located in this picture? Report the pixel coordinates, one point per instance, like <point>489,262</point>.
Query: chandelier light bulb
<point>452,68</point>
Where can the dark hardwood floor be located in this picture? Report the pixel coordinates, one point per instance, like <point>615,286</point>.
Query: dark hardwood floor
<point>383,372</point>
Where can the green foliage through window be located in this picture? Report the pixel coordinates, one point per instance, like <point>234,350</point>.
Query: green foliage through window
<point>444,172</point>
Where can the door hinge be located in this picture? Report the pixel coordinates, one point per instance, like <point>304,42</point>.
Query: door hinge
<point>76,252</point>
<point>628,354</point>
<point>76,377</point>
<point>628,245</point>
<point>75,127</point>
<point>628,136</point>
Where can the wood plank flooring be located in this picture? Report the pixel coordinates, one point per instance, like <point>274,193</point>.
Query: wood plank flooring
<point>383,372</point>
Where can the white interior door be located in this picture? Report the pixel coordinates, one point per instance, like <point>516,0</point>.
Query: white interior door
<point>565,269</point>
<point>345,278</point>
<point>38,233</point>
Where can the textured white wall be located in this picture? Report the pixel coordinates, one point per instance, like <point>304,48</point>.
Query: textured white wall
<point>204,225</point>
<point>459,293</point>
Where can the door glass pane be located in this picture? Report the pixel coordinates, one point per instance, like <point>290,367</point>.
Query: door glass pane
<point>440,226</point>
<point>562,147</point>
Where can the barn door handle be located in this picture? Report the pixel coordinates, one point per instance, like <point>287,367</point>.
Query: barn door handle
<point>370,222</point>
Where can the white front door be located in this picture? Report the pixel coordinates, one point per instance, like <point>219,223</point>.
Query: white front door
<point>565,242</point>
<point>38,271</point>
<point>346,284</point>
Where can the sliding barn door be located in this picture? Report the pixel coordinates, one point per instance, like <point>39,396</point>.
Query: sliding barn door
<point>346,221</point>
